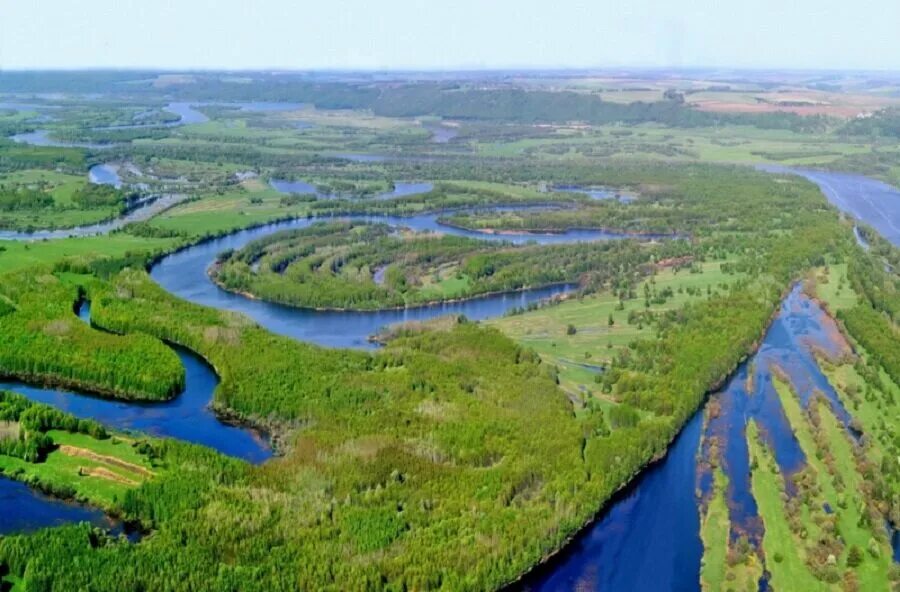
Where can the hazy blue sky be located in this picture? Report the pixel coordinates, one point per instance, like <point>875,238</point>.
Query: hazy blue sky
<point>449,34</point>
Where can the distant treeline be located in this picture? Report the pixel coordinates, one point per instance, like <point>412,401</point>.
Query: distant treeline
<point>15,157</point>
<point>883,123</point>
<point>28,198</point>
<point>443,99</point>
<point>521,106</point>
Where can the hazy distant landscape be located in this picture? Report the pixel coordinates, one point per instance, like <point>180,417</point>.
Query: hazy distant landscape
<point>503,328</point>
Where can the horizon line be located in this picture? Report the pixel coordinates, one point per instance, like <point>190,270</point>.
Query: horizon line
<point>448,70</point>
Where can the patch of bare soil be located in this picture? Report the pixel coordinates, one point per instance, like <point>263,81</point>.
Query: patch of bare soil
<point>107,460</point>
<point>104,473</point>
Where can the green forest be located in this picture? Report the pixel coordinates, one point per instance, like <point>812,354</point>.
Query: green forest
<point>347,266</point>
<point>456,454</point>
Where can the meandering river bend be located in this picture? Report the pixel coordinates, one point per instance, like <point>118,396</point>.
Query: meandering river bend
<point>647,538</point>
<point>184,274</point>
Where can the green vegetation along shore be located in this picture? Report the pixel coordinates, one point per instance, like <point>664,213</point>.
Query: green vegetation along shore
<point>458,455</point>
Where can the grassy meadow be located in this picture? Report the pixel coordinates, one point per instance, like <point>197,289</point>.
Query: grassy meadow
<point>581,355</point>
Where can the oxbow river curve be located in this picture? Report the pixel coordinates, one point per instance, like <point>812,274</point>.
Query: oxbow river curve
<point>647,538</point>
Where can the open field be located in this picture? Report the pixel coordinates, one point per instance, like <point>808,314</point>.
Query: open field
<point>715,533</point>
<point>62,212</point>
<point>789,571</point>
<point>595,343</point>
<point>98,471</point>
<point>16,255</point>
<point>726,144</point>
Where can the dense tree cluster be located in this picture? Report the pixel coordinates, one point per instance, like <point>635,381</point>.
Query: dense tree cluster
<point>884,123</point>
<point>92,195</point>
<point>41,339</point>
<point>345,265</point>
<point>24,198</point>
<point>15,156</point>
<point>873,322</point>
<point>32,421</point>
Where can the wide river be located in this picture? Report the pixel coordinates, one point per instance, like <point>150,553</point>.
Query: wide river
<point>869,200</point>
<point>647,538</point>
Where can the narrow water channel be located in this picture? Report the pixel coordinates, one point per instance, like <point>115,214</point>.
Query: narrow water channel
<point>42,137</point>
<point>648,538</point>
<point>187,417</point>
<point>595,193</point>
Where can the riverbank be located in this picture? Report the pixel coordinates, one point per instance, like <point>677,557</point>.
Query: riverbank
<point>213,269</point>
<point>671,470</point>
<point>536,232</point>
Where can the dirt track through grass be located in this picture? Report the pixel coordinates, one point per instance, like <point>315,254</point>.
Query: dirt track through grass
<point>108,460</point>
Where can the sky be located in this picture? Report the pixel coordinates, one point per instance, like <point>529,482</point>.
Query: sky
<point>446,35</point>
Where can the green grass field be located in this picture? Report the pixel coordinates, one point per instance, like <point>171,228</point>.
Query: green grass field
<point>785,560</point>
<point>230,211</point>
<point>832,287</point>
<point>17,255</point>
<point>727,144</point>
<point>596,342</point>
<point>714,531</point>
<point>98,471</point>
<point>61,186</point>
<point>723,567</point>
<point>882,427</point>
<point>841,491</point>
<point>449,286</point>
